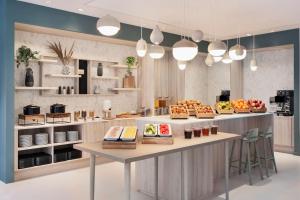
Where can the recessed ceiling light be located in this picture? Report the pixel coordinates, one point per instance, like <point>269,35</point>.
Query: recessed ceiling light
<point>80,9</point>
<point>248,34</point>
<point>48,2</point>
<point>272,31</point>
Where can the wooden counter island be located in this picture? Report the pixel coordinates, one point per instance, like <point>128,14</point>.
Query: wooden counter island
<point>203,165</point>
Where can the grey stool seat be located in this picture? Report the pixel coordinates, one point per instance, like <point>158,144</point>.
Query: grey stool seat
<point>268,154</point>
<point>249,139</point>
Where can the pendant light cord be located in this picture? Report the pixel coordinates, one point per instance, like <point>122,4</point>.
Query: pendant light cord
<point>253,46</point>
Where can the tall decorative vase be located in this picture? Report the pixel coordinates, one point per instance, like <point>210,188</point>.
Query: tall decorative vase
<point>100,70</point>
<point>29,79</point>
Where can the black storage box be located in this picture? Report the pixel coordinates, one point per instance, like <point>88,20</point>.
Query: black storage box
<point>74,154</point>
<point>42,159</point>
<point>25,161</point>
<point>60,155</point>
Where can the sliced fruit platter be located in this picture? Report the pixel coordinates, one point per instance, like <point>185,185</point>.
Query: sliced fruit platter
<point>118,137</point>
<point>157,130</point>
<point>190,104</point>
<point>205,112</point>
<point>224,107</point>
<point>240,106</point>
<point>157,134</point>
<point>257,106</point>
<point>179,112</point>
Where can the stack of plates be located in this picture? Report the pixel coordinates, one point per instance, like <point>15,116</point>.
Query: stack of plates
<point>72,135</point>
<point>59,137</point>
<point>41,138</point>
<point>25,140</point>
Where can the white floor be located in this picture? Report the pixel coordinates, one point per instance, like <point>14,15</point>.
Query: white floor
<point>73,185</point>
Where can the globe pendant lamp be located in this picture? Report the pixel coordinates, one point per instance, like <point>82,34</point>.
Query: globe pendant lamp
<point>217,58</point>
<point>197,35</point>
<point>156,51</point>
<point>226,59</point>
<point>209,61</point>
<point>253,64</point>
<point>217,48</point>
<point>184,50</point>
<point>156,36</point>
<point>141,46</point>
<point>181,64</point>
<point>108,25</point>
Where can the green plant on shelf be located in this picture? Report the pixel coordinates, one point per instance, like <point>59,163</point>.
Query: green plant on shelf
<point>130,62</point>
<point>24,54</point>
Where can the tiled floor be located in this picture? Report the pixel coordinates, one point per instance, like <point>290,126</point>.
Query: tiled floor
<point>73,185</point>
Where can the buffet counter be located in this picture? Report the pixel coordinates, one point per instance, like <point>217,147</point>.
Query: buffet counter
<point>204,165</point>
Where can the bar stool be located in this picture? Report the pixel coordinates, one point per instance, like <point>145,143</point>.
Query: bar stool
<point>267,137</point>
<point>250,138</point>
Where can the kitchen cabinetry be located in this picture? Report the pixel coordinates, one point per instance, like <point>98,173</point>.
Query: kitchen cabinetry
<point>284,134</point>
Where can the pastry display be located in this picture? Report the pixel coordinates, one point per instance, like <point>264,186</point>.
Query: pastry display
<point>190,105</point>
<point>224,107</point>
<point>179,112</point>
<point>113,133</point>
<point>204,111</point>
<point>257,105</point>
<point>241,106</point>
<point>129,133</point>
<point>150,130</point>
<point>165,130</point>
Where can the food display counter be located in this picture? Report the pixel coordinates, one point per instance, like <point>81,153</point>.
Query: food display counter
<point>203,165</point>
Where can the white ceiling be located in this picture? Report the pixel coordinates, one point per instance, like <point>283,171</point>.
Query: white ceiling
<point>229,17</point>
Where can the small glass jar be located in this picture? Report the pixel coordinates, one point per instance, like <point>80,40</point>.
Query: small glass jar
<point>205,131</point>
<point>214,129</point>
<point>197,132</point>
<point>188,133</point>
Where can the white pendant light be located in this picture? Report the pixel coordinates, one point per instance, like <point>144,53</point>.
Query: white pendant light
<point>217,58</point>
<point>226,59</point>
<point>156,51</point>
<point>237,52</point>
<point>217,48</point>
<point>184,50</point>
<point>197,35</point>
<point>156,36</point>
<point>181,64</point>
<point>209,61</point>
<point>253,64</point>
<point>141,46</point>
<point>108,25</point>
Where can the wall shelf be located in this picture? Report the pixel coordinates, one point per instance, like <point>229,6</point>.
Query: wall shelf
<point>63,76</point>
<point>77,95</point>
<point>34,88</point>
<point>125,89</point>
<point>44,59</point>
<point>106,77</point>
<point>122,66</point>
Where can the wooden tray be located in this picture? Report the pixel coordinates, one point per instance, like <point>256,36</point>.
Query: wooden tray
<point>178,116</point>
<point>263,110</point>
<point>158,140</point>
<point>236,110</point>
<point>219,111</point>
<point>119,144</point>
<point>192,112</point>
<point>206,115</point>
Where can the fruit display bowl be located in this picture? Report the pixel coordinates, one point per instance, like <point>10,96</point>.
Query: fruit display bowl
<point>262,110</point>
<point>241,110</point>
<point>224,107</point>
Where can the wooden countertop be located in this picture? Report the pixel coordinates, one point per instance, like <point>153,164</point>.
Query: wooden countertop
<point>145,151</point>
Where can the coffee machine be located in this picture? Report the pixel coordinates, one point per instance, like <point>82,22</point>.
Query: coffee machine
<point>225,96</point>
<point>285,102</point>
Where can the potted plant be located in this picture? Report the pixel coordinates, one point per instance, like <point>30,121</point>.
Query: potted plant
<point>63,55</point>
<point>24,55</point>
<point>129,80</point>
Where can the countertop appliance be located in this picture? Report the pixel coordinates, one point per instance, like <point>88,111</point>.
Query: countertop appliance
<point>57,108</point>
<point>285,102</point>
<point>31,110</point>
<point>225,96</point>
